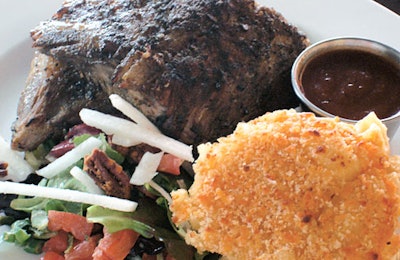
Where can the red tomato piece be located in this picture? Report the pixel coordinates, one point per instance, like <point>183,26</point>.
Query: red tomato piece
<point>170,164</point>
<point>83,250</point>
<point>57,244</point>
<point>52,256</point>
<point>115,245</point>
<point>75,224</point>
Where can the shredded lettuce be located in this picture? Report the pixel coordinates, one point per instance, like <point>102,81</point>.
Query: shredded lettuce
<point>23,234</point>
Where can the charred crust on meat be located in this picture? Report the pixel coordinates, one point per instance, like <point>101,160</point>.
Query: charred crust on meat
<point>195,68</point>
<point>51,102</point>
<point>107,174</point>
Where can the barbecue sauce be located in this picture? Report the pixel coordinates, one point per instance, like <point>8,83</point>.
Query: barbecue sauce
<point>351,84</point>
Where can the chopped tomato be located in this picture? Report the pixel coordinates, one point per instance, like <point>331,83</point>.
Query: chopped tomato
<point>115,245</point>
<point>83,250</point>
<point>52,256</point>
<point>57,244</point>
<point>75,224</point>
<point>170,164</point>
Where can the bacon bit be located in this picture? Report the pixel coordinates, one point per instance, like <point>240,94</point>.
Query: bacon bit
<point>3,169</point>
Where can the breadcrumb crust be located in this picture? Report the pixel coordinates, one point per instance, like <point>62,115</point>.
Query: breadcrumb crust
<point>290,185</point>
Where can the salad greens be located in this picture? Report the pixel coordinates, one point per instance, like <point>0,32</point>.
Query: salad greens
<point>151,219</point>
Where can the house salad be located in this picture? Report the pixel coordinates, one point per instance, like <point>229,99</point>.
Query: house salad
<point>87,197</point>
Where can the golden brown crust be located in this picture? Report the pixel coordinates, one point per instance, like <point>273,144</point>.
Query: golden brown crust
<point>289,185</point>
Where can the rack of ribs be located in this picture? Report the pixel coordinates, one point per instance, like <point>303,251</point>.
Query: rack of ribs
<point>194,67</point>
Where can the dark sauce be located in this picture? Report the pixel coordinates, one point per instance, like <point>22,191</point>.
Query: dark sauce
<point>351,84</point>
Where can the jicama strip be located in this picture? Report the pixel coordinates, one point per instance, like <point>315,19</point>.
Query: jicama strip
<point>86,180</point>
<point>69,158</point>
<point>160,190</point>
<point>132,112</point>
<point>122,141</point>
<point>68,195</point>
<point>131,132</point>
<point>18,169</point>
<point>146,169</point>
<point>109,124</point>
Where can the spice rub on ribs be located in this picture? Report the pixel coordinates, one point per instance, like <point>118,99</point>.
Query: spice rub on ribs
<point>195,68</point>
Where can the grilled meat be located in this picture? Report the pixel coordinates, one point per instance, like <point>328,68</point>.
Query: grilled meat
<point>51,102</point>
<point>195,68</point>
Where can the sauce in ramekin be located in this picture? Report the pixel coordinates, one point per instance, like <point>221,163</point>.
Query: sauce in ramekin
<point>352,83</point>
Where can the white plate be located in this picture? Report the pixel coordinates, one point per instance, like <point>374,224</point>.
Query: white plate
<point>318,19</point>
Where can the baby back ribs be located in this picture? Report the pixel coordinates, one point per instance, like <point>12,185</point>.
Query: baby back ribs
<point>195,67</point>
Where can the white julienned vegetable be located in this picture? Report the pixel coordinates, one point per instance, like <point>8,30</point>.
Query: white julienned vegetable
<point>109,124</point>
<point>131,133</point>
<point>68,195</point>
<point>69,158</point>
<point>125,133</point>
<point>86,180</point>
<point>147,168</point>
<point>122,141</point>
<point>160,190</point>
<point>132,112</point>
<point>18,169</point>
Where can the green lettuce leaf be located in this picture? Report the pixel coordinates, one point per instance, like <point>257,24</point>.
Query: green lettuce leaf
<point>64,181</point>
<point>113,154</point>
<point>22,234</point>
<point>18,233</point>
<point>115,221</point>
<point>149,220</point>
